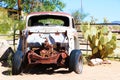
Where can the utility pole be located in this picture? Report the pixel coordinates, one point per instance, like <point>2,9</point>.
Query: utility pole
<point>81,7</point>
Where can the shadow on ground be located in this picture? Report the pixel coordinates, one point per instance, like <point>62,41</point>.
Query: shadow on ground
<point>38,69</point>
<point>6,65</point>
<point>45,69</point>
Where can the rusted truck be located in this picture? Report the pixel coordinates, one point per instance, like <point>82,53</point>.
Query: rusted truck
<point>48,38</point>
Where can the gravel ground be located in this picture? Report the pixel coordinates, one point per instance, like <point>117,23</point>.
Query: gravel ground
<point>99,72</point>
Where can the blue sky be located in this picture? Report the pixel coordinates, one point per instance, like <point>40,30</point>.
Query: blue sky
<point>97,8</point>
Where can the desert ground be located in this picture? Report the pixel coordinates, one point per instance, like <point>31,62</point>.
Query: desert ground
<point>98,72</point>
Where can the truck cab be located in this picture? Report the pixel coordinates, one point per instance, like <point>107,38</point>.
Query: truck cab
<point>48,38</point>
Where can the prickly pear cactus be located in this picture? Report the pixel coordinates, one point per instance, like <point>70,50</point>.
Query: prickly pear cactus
<point>101,40</point>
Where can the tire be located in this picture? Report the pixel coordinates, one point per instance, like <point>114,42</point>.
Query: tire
<point>76,61</point>
<point>7,53</point>
<point>17,63</point>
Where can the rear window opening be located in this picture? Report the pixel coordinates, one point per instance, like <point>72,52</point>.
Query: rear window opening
<point>47,20</point>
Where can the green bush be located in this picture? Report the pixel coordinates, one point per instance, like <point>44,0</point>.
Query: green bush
<point>9,24</point>
<point>6,23</point>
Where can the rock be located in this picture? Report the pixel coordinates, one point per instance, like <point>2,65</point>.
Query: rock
<point>106,62</point>
<point>96,61</point>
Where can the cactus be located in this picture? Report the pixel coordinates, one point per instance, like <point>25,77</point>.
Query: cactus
<point>101,40</point>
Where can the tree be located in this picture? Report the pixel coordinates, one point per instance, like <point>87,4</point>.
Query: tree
<point>79,16</point>
<point>105,20</point>
<point>26,6</point>
<point>36,5</point>
<point>93,20</point>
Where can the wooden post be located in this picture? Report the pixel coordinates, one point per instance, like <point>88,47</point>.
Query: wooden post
<point>19,13</point>
<point>19,8</point>
<point>14,37</point>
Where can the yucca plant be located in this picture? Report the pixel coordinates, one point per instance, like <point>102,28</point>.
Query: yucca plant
<point>101,40</point>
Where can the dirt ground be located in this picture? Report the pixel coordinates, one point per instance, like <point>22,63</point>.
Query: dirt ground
<point>99,72</point>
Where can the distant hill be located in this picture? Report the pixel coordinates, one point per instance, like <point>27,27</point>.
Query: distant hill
<point>115,22</point>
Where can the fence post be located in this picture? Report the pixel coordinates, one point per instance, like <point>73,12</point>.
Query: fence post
<point>14,30</point>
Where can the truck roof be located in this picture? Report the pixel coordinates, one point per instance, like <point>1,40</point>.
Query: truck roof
<point>50,13</point>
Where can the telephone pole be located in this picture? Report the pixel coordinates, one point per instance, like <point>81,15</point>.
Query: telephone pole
<point>81,7</point>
